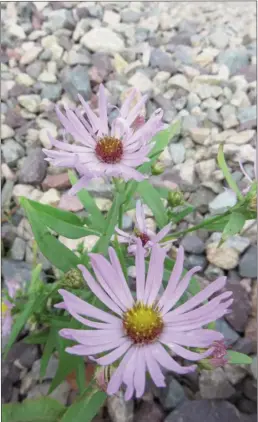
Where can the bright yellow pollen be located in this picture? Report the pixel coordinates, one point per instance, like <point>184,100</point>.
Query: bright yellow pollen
<point>4,308</point>
<point>142,323</point>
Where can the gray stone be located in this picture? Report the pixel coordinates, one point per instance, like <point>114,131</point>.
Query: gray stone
<point>219,39</point>
<point>76,81</point>
<point>250,389</point>
<point>212,272</point>
<point>130,16</point>
<point>51,92</point>
<point>222,202</point>
<point>234,59</point>
<point>162,60</point>
<point>229,334</point>
<point>195,260</point>
<point>172,395</point>
<point>103,39</point>
<point>246,114</point>
<point>193,244</point>
<point>35,69</point>
<point>17,270</point>
<point>245,345</point>
<point>18,249</point>
<point>24,353</point>
<point>215,385</point>
<point>34,167</point>
<point>58,19</point>
<point>11,151</point>
<point>235,373</point>
<point>184,54</point>
<point>60,393</point>
<point>119,409</point>
<point>103,63</point>
<point>201,199</point>
<point>182,38</point>
<point>127,222</point>
<point>14,119</point>
<point>78,57</point>
<point>50,371</point>
<point>6,194</point>
<point>177,152</point>
<point>208,411</point>
<point>253,367</point>
<point>248,263</point>
<point>149,411</point>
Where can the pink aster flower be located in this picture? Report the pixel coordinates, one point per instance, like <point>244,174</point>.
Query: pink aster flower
<point>147,237</point>
<point>102,150</point>
<point>6,308</point>
<point>139,335</point>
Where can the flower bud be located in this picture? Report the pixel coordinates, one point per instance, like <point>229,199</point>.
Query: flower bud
<point>175,198</point>
<point>218,357</point>
<point>157,169</point>
<point>253,203</point>
<point>73,279</point>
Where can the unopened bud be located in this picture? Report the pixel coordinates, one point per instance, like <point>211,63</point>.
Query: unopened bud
<point>175,198</point>
<point>253,203</point>
<point>157,169</point>
<point>73,279</point>
<point>218,357</point>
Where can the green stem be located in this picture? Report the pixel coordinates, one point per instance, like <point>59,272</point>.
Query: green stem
<point>197,227</point>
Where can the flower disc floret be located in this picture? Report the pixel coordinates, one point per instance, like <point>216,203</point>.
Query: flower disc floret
<point>109,150</point>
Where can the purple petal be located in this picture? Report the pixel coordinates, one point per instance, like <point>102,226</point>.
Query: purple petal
<point>103,109</point>
<point>159,236</point>
<point>125,291</point>
<point>155,275</point>
<point>140,271</point>
<point>188,354</point>
<point>153,367</point>
<point>140,217</point>
<point>140,373</point>
<point>117,377</point>
<point>115,355</point>
<point>194,338</point>
<point>165,360</point>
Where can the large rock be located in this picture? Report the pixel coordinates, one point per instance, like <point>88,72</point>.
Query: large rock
<point>11,151</point>
<point>34,167</point>
<point>103,39</point>
<point>17,270</point>
<point>248,263</point>
<point>162,60</point>
<point>149,411</point>
<point>222,202</point>
<point>223,257</point>
<point>120,410</point>
<point>208,411</point>
<point>240,308</point>
<point>234,59</point>
<point>172,395</point>
<point>76,81</point>
<point>215,385</point>
<point>193,244</point>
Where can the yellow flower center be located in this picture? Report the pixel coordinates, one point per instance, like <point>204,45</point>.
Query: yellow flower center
<point>4,308</point>
<point>142,323</point>
<point>109,150</point>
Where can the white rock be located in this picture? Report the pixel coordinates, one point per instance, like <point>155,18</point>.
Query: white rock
<point>103,39</point>
<point>150,23</point>
<point>179,81</point>
<point>240,99</point>
<point>205,169</point>
<point>151,224</point>
<point>200,135</point>
<point>103,204</point>
<point>24,79</point>
<point>40,5</point>
<point>51,43</point>
<point>6,131</point>
<point>81,27</point>
<point>90,242</point>
<point>7,173</point>
<point>30,55</point>
<point>177,152</point>
<point>47,77</point>
<point>71,244</point>
<point>51,197</point>
<point>141,82</point>
<point>222,202</point>
<point>211,103</point>
<point>234,373</point>
<point>27,191</point>
<point>43,136</point>
<point>187,171</point>
<point>161,77</point>
<point>219,39</point>
<point>240,138</point>
<point>246,153</point>
<point>16,31</point>
<point>30,102</point>
<point>111,18</point>
<point>223,257</point>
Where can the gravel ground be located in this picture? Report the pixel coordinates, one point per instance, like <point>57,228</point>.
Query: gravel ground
<point>198,62</point>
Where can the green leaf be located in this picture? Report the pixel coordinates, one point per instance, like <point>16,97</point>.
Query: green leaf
<point>47,352</point>
<point>235,224</point>
<point>151,197</point>
<point>178,216</point>
<point>57,253</point>
<point>163,138</point>
<point>80,375</point>
<point>98,221</point>
<point>111,222</point>
<point>37,338</point>
<point>225,170</point>
<point>43,409</point>
<point>35,282</point>
<point>21,321</point>
<point>237,358</point>
<point>86,408</point>
<point>62,222</point>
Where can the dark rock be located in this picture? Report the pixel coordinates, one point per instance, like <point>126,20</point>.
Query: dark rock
<point>59,19</point>
<point>103,63</point>
<point>65,42</point>
<point>18,90</point>
<point>183,38</point>
<point>245,345</point>
<point>229,334</point>
<point>212,272</point>
<point>240,308</point>
<point>149,412</point>
<point>14,119</point>
<point>206,410</point>
<point>34,69</point>
<point>201,199</point>
<point>195,260</point>
<point>24,353</point>
<point>11,151</point>
<point>51,92</point>
<point>250,389</point>
<point>163,102</point>
<point>76,81</point>
<point>162,60</point>
<point>7,389</point>
<point>247,406</point>
<point>34,167</point>
<point>172,395</point>
<point>81,12</point>
<point>193,244</point>
<point>234,58</point>
<point>8,234</point>
<point>17,270</point>
<point>248,263</point>
<point>6,194</point>
<point>184,54</point>
<point>215,385</point>
<point>233,277</point>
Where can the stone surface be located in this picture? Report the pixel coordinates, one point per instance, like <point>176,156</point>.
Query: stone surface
<point>11,151</point>
<point>34,167</point>
<point>230,335</point>
<point>240,308</point>
<point>248,263</point>
<point>177,152</point>
<point>120,410</point>
<point>149,411</point>
<point>103,40</point>
<point>215,385</point>
<point>222,202</point>
<point>193,244</point>
<point>172,395</point>
<point>76,82</point>
<point>18,249</point>
<point>223,257</point>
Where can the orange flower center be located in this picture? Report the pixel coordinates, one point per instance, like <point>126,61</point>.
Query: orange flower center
<point>142,323</point>
<point>109,150</point>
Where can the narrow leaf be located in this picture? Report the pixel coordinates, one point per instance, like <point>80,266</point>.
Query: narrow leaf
<point>225,170</point>
<point>237,358</point>
<point>151,197</point>
<point>37,338</point>
<point>48,350</point>
<point>85,409</point>
<point>43,409</point>
<point>235,224</point>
